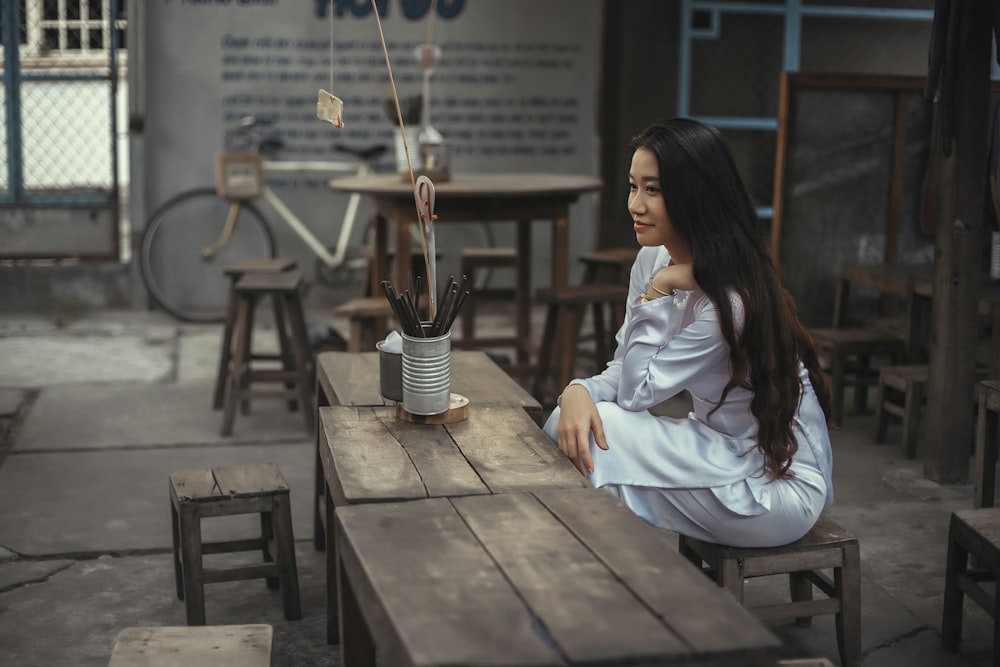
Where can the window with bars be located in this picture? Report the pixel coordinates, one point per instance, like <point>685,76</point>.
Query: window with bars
<point>68,31</point>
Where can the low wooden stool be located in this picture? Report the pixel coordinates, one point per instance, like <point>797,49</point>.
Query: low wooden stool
<point>973,534</point>
<point>235,272</point>
<point>825,546</point>
<point>473,261</point>
<point>564,316</point>
<point>205,646</point>
<point>608,265</point>
<point>901,393</point>
<point>848,354</point>
<point>987,431</point>
<point>296,373</point>
<point>199,493</point>
<point>368,321</point>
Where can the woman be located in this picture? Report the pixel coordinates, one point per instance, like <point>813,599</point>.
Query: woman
<point>751,465</point>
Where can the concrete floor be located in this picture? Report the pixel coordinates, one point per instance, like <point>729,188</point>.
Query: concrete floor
<point>96,411</point>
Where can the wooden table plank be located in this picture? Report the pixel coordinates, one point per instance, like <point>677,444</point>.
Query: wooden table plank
<point>514,579</point>
<point>564,584</point>
<point>434,596</point>
<point>686,606</point>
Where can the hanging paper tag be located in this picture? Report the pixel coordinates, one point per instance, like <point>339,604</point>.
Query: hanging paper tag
<point>330,108</point>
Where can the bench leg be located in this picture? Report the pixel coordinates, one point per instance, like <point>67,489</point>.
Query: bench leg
<point>332,573</point>
<point>357,648</point>
<point>284,538</point>
<point>266,540</point>
<point>730,577</point>
<point>951,615</point>
<point>194,578</point>
<point>912,405</point>
<point>175,530</point>
<point>801,589</point>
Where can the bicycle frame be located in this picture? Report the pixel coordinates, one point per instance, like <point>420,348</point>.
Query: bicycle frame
<point>331,260</point>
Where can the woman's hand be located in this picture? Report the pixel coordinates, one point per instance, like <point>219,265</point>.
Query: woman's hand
<point>578,417</point>
<point>673,277</point>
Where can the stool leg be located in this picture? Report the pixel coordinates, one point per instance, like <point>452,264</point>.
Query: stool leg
<point>281,521</point>
<point>302,355</point>
<point>801,590</point>
<point>569,325</point>
<point>545,353</point>
<point>881,415</point>
<point>468,314</point>
<point>248,357</point>
<point>951,615</point>
<point>284,344</point>
<point>730,577</point>
<point>237,365</point>
<point>847,587</point>
<point>600,337</point>
<point>332,574</point>
<point>837,372</point>
<point>226,351</point>
<point>860,388</point>
<point>912,404</point>
<point>986,454</point>
<point>194,574</point>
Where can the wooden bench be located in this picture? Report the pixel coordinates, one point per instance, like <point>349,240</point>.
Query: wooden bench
<point>536,579</point>
<point>826,546</point>
<point>201,493</point>
<point>848,357</point>
<point>565,311</point>
<point>974,535</point>
<point>987,431</point>
<point>367,319</point>
<point>369,456</point>
<point>204,646</point>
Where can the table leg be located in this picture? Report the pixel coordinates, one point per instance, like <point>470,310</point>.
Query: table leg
<point>380,253</point>
<point>357,648</point>
<point>522,296</point>
<point>560,249</point>
<point>402,258</point>
<point>319,482</point>
<point>332,573</point>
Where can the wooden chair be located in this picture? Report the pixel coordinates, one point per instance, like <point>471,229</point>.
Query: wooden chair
<point>973,535</point>
<point>201,493</point>
<point>565,312</point>
<point>848,357</point>
<point>235,272</point>
<point>826,546</point>
<point>296,372</point>
<point>205,646</point>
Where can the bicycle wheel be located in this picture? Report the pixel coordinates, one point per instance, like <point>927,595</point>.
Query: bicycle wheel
<point>178,278</point>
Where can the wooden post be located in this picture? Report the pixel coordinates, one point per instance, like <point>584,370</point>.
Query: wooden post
<point>958,250</point>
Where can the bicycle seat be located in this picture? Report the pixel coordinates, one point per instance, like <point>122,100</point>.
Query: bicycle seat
<point>366,154</point>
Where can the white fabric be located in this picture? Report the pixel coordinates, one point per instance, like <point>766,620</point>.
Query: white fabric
<point>701,476</point>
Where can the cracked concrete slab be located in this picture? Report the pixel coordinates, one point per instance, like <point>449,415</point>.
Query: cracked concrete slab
<point>83,608</point>
<point>118,501</point>
<point>28,572</point>
<point>39,361</point>
<point>140,415</point>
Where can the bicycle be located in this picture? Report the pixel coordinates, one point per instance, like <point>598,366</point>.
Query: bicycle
<point>194,235</point>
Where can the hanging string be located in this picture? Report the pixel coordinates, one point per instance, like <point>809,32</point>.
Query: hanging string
<point>409,164</point>
<point>331,47</point>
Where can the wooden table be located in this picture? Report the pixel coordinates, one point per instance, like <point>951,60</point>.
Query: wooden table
<point>552,577</point>
<point>369,456</point>
<point>521,198</point>
<point>352,379</point>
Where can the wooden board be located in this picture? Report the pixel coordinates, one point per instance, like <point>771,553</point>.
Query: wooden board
<point>198,646</point>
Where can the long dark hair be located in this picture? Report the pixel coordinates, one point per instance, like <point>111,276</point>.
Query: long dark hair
<point>710,208</point>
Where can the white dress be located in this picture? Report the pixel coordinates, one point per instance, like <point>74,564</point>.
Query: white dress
<point>701,476</point>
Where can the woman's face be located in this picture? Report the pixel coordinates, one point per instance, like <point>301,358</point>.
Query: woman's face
<point>649,210</point>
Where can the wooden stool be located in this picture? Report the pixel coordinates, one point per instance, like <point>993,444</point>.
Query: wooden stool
<point>199,493</point>
<point>235,272</point>
<point>564,316</point>
<point>848,355</point>
<point>825,546</point>
<point>974,534</point>
<point>901,393</point>
<point>367,317</point>
<point>473,261</point>
<point>207,646</point>
<point>611,266</point>
<point>987,430</point>
<point>296,373</point>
